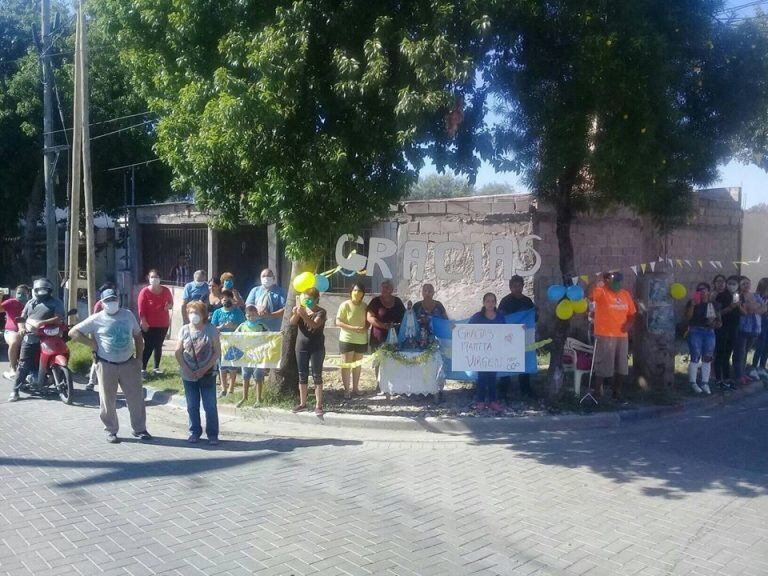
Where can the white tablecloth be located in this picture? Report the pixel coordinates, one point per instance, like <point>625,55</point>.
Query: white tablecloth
<point>398,378</point>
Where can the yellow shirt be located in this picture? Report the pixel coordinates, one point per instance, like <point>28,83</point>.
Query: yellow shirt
<point>353,315</point>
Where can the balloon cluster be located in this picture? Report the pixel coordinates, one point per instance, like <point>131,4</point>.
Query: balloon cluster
<point>307,280</point>
<point>570,300</point>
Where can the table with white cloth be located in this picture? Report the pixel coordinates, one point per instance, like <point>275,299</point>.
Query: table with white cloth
<point>397,377</point>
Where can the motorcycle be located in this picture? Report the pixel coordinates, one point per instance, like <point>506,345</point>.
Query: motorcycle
<point>53,366</point>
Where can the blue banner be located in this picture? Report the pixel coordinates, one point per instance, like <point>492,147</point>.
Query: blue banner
<point>443,332</point>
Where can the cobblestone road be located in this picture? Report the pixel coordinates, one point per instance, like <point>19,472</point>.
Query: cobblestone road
<point>683,495</point>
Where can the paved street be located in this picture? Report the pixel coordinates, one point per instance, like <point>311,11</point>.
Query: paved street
<point>682,495</point>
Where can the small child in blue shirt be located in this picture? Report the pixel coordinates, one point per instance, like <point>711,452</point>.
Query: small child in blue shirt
<point>227,319</point>
<point>252,324</point>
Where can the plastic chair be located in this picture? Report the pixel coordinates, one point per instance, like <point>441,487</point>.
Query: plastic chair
<point>578,358</point>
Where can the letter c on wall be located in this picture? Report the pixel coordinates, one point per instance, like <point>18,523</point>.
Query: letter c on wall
<point>440,252</point>
<point>352,261</point>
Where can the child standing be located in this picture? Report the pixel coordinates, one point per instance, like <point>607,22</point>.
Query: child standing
<point>252,324</point>
<point>227,319</point>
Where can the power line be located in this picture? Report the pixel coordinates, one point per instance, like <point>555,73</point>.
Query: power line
<point>107,121</point>
<point>121,130</point>
<point>116,168</point>
<point>741,6</point>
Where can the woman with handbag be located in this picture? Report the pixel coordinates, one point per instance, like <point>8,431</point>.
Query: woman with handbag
<point>197,353</point>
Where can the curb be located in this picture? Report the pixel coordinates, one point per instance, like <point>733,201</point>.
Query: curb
<point>468,424</point>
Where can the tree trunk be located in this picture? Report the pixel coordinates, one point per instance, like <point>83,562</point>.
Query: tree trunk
<point>34,208</point>
<point>285,381</point>
<point>563,220</point>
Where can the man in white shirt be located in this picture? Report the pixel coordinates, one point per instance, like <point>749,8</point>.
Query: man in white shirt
<point>114,336</point>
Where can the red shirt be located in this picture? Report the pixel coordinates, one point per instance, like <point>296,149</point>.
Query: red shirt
<point>13,309</point>
<point>154,307</point>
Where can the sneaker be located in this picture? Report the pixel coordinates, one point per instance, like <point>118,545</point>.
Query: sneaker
<point>144,374</point>
<point>299,408</point>
<point>213,441</point>
<point>9,375</point>
<point>706,389</point>
<point>193,439</point>
<point>496,407</point>
<point>14,396</point>
<point>696,388</point>
<point>113,439</point>
<point>157,372</point>
<point>144,436</point>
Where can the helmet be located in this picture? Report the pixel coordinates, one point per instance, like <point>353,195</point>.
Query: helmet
<point>42,287</point>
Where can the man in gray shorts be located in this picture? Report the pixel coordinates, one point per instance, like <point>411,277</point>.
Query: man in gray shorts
<point>614,314</point>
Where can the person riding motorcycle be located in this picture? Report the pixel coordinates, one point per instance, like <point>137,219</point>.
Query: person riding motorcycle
<point>43,309</point>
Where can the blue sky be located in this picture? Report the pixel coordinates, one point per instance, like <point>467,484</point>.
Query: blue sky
<point>752,180</point>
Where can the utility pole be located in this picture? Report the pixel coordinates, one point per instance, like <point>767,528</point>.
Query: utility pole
<point>90,241</point>
<point>74,201</point>
<point>49,154</point>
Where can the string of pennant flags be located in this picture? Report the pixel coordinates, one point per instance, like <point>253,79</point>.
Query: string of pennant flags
<point>642,268</point>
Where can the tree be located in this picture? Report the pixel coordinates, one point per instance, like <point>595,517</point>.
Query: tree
<point>440,186</point>
<point>494,189</point>
<point>631,103</point>
<point>314,115</point>
<point>21,122</point>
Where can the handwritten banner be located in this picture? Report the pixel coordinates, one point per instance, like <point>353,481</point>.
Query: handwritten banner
<point>251,349</point>
<point>488,347</point>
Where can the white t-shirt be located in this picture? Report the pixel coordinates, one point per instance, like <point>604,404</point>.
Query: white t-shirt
<point>113,334</point>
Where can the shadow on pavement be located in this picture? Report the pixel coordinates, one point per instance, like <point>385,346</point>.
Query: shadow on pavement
<point>716,450</point>
<point>121,470</point>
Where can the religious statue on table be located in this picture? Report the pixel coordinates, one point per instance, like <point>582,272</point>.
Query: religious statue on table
<point>415,331</point>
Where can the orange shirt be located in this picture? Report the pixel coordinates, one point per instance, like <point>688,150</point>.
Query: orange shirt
<point>612,309</point>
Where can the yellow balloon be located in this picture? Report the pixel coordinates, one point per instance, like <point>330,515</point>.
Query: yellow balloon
<point>304,282</point>
<point>677,291</point>
<point>564,310</point>
<point>580,306</point>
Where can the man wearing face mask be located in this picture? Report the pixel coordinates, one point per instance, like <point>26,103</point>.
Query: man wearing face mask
<point>614,314</point>
<point>114,336</point>
<point>13,307</point>
<point>42,309</point>
<point>269,299</point>
<point>196,290</point>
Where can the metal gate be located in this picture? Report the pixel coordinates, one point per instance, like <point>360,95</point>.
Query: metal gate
<point>161,245</point>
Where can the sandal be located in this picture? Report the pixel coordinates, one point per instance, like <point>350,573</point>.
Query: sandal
<point>299,408</point>
<point>319,412</point>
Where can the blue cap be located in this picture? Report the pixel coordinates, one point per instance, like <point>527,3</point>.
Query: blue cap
<point>108,294</point>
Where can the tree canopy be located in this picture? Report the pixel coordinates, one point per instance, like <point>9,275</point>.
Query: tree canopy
<point>312,114</point>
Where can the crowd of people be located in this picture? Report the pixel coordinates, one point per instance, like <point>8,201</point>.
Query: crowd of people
<point>723,322</point>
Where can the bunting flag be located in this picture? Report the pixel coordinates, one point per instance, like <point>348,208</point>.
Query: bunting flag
<point>661,259</point>
<point>679,263</point>
<point>671,264</point>
<point>719,264</point>
<point>643,267</point>
<point>575,280</point>
<point>634,269</point>
<point>735,264</point>
<point>653,266</point>
<point>701,264</point>
<point>689,263</point>
<point>585,278</point>
<point>713,264</point>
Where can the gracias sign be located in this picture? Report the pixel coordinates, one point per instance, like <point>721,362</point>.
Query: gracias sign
<point>513,255</point>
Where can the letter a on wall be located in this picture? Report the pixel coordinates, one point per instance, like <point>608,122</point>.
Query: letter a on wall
<point>501,250</point>
<point>414,254</point>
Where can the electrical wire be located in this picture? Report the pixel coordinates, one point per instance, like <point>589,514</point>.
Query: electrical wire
<point>115,168</point>
<point>121,130</point>
<point>105,121</point>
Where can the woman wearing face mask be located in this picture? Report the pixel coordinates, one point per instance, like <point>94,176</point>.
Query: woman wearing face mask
<point>197,353</point>
<point>310,347</point>
<point>703,317</point>
<point>353,335</point>
<point>761,344</point>
<point>228,283</point>
<point>227,319</point>
<point>727,299</point>
<point>214,296</point>
<point>13,308</point>
<point>155,301</point>
<point>751,308</point>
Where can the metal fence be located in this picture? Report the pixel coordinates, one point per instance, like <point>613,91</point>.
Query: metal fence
<point>162,244</point>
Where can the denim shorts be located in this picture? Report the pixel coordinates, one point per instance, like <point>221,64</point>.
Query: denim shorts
<point>255,373</point>
<point>701,342</point>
